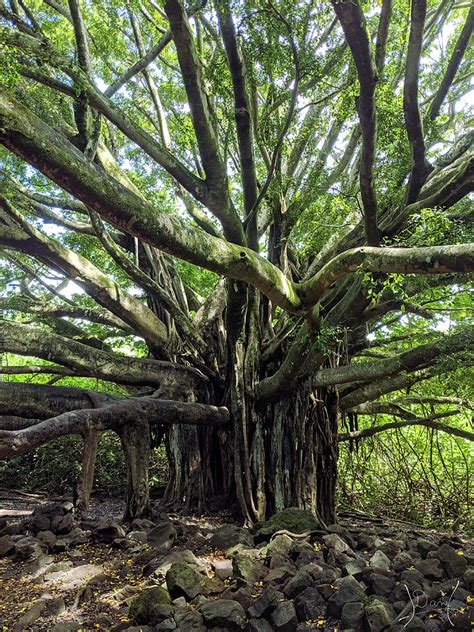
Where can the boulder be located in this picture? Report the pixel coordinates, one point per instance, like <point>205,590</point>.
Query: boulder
<point>283,618</point>
<point>27,549</point>
<point>142,607</point>
<point>337,544</point>
<point>248,569</point>
<point>377,617</point>
<point>222,568</point>
<point>7,545</point>
<point>224,613</point>
<point>347,590</point>
<point>309,604</point>
<point>452,560</point>
<point>162,536</point>
<point>266,603</point>
<point>258,625</point>
<point>183,581</point>
<point>76,577</point>
<point>352,615</point>
<point>291,519</point>
<point>229,535</point>
<point>108,529</point>
<point>380,560</point>
<point>430,568</point>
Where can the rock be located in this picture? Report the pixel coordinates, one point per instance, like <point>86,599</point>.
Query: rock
<point>47,537</point>
<point>190,622</point>
<point>162,563</point>
<point>182,580</point>
<point>142,524</point>
<point>52,517</point>
<point>222,568</point>
<point>167,624</point>
<point>39,565</point>
<point>142,606</point>
<point>424,546</point>
<point>380,560</point>
<point>137,536</point>
<point>162,536</point>
<point>64,525</point>
<point>7,545</point>
<point>27,548</point>
<point>77,577</point>
<point>224,613</point>
<point>309,604</point>
<point>55,606</point>
<point>108,529</point>
<point>266,603</point>
<point>348,590</point>
<point>352,614</point>
<point>309,575</point>
<point>377,617</point>
<point>229,535</point>
<point>280,545</point>
<point>66,626</point>
<point>31,615</point>
<point>292,519</point>
<point>469,579</point>
<point>248,569</point>
<point>337,544</point>
<point>283,618</point>
<point>161,612</point>
<point>258,625</point>
<point>452,561</point>
<point>354,568</point>
<point>430,568</point>
<point>381,584</point>
<point>402,561</point>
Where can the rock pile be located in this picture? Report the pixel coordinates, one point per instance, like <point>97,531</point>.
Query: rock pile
<point>289,575</point>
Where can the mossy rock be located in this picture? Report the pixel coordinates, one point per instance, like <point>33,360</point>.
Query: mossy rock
<point>291,519</point>
<point>142,606</point>
<point>183,581</point>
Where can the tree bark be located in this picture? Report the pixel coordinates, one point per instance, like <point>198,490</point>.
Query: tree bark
<point>136,446</point>
<point>86,477</point>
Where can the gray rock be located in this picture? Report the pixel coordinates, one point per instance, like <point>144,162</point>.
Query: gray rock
<point>283,618</point>
<point>161,612</point>
<point>229,535</point>
<point>266,603</point>
<point>291,519</point>
<point>354,568</point>
<point>348,590</point>
<point>32,614</point>
<point>47,537</point>
<point>381,584</point>
<point>222,568</point>
<point>280,545</point>
<point>137,536</point>
<point>141,608</point>
<point>469,579</point>
<point>309,604</point>
<point>27,548</point>
<point>430,568</point>
<point>248,569</point>
<point>424,546</point>
<point>352,615</point>
<point>402,561</point>
<point>76,577</point>
<point>183,581</point>
<point>108,529</point>
<point>66,626</point>
<point>452,562</point>
<point>337,544</point>
<point>7,545</point>
<point>190,622</point>
<point>377,617</point>
<point>380,560</point>
<point>309,575</point>
<point>224,613</point>
<point>162,536</point>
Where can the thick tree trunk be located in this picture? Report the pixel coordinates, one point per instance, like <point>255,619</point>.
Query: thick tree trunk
<point>86,476</point>
<point>292,459</point>
<point>136,446</point>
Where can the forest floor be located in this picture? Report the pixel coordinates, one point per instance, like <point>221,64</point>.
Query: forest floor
<point>87,583</point>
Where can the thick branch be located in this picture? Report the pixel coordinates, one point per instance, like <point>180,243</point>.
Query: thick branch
<point>420,166</point>
<point>354,26</point>
<point>417,358</point>
<point>111,417</point>
<point>32,341</point>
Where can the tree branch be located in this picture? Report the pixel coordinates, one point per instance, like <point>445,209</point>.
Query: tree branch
<point>110,417</point>
<point>428,423</point>
<point>354,26</point>
<point>414,126</point>
<point>453,65</point>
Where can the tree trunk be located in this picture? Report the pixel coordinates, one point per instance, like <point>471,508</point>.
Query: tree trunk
<point>136,446</point>
<point>86,476</point>
<point>292,459</point>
